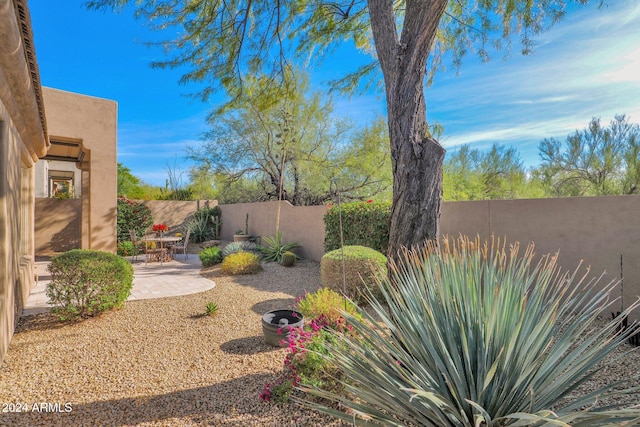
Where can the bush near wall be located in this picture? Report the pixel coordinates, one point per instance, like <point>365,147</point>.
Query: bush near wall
<point>363,224</point>
<point>361,266</point>
<point>132,215</point>
<point>87,282</point>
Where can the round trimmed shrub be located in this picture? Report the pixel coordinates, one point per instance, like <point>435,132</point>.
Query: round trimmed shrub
<point>241,263</point>
<point>85,283</point>
<point>210,256</point>
<point>361,264</point>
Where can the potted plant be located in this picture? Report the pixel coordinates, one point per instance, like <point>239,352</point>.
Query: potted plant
<point>240,235</point>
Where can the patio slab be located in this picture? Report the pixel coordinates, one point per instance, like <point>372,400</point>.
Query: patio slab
<point>173,278</point>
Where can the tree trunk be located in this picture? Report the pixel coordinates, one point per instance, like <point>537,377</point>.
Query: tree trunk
<point>416,157</point>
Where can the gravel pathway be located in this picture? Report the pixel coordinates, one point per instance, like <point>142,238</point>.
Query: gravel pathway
<point>162,362</point>
<point>159,361</point>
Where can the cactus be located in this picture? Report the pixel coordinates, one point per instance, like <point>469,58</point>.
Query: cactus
<point>288,259</point>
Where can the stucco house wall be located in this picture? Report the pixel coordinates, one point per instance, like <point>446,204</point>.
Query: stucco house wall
<point>92,123</point>
<point>23,140</point>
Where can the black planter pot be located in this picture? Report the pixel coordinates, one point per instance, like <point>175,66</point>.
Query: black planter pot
<point>276,325</point>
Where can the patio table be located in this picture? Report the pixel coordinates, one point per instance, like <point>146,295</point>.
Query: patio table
<point>161,241</point>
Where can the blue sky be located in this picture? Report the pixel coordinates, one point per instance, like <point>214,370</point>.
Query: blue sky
<point>586,66</point>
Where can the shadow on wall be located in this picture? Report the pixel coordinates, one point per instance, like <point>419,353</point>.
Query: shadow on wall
<point>57,225</point>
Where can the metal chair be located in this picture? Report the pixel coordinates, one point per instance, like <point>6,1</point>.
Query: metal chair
<point>182,245</point>
<point>136,243</point>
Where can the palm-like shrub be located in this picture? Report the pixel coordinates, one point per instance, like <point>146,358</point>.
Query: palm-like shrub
<point>273,248</point>
<point>477,335</point>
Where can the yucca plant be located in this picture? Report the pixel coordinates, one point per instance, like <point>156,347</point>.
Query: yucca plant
<point>273,248</point>
<point>474,334</point>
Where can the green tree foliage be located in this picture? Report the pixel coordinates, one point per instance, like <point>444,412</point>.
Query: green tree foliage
<point>293,148</point>
<point>597,160</point>
<point>471,174</point>
<point>132,215</point>
<point>224,42</point>
<point>129,185</point>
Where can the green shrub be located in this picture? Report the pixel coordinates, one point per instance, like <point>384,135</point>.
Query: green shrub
<point>273,248</point>
<point>326,303</point>
<point>233,247</point>
<point>85,283</point>
<point>361,267</point>
<point>132,215</point>
<point>210,256</point>
<point>126,248</point>
<point>363,224</point>
<point>475,335</point>
<point>241,263</point>
<point>288,259</point>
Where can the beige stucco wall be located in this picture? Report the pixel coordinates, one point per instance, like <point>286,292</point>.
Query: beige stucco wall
<point>301,224</point>
<point>58,225</point>
<point>597,230</point>
<point>23,140</point>
<point>174,213</point>
<point>93,122</point>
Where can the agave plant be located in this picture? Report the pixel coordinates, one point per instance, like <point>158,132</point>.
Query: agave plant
<point>273,248</point>
<point>233,247</point>
<point>476,335</point>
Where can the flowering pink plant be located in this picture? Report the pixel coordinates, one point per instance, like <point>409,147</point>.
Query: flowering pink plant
<point>159,228</point>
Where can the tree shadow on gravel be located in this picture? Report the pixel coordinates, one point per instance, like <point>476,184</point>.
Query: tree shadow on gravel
<point>248,346</point>
<point>228,404</point>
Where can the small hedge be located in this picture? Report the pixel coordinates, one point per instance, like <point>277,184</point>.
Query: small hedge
<point>210,256</point>
<point>361,265</point>
<point>85,283</point>
<point>241,263</point>
<point>363,224</point>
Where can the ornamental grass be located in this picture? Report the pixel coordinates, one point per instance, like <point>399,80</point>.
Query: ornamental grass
<point>471,333</point>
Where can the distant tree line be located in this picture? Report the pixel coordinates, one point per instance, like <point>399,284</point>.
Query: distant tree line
<point>296,150</point>
<point>598,160</point>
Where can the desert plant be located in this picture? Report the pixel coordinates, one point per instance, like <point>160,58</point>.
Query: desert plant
<point>327,304</point>
<point>288,259</point>
<point>210,256</point>
<point>241,263</point>
<point>474,334</point>
<point>361,267</point>
<point>85,283</point>
<point>233,247</point>
<point>274,248</point>
<point>132,215</point>
<point>126,248</point>
<point>306,362</point>
<point>212,308</point>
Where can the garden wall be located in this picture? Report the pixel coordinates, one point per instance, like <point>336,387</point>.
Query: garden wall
<point>58,226</point>
<point>602,231</point>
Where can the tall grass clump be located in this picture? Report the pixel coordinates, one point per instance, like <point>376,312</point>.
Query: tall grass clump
<point>476,334</point>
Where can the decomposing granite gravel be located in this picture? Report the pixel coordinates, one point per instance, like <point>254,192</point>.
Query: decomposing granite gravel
<point>163,362</point>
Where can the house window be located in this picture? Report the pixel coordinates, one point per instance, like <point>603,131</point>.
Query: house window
<point>61,184</point>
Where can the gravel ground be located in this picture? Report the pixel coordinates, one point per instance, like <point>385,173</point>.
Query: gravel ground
<point>162,362</point>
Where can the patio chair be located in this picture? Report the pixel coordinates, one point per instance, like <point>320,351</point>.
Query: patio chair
<point>183,245</point>
<point>136,244</point>
<point>154,251</point>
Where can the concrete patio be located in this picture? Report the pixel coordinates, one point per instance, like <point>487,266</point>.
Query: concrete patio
<point>153,280</point>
